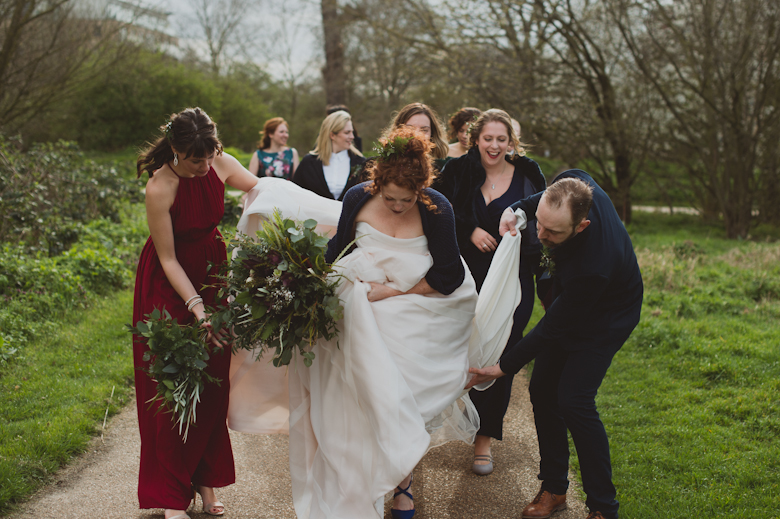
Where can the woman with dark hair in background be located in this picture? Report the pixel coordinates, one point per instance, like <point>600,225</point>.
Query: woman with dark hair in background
<point>273,157</point>
<point>458,132</point>
<point>424,119</point>
<point>333,167</point>
<point>480,185</point>
<point>184,204</point>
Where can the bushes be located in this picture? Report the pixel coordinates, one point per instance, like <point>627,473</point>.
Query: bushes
<point>48,192</point>
<point>119,110</point>
<point>68,231</point>
<point>35,288</point>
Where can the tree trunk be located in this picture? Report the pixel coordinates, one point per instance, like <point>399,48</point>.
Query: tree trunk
<point>622,200</point>
<point>333,72</point>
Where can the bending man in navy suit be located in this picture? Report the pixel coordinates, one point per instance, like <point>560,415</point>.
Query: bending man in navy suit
<point>597,298</point>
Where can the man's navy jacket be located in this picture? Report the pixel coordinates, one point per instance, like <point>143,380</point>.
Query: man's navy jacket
<point>597,286</point>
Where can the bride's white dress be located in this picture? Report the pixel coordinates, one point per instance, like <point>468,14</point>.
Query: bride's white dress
<point>361,416</point>
<point>375,400</point>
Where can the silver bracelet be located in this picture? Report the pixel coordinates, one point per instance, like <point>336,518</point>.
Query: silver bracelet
<point>187,302</point>
<point>194,304</point>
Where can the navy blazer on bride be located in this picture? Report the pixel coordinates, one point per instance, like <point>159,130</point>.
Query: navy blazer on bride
<point>447,272</point>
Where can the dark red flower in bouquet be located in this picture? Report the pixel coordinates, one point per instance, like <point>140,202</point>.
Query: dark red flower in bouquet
<point>274,257</point>
<point>253,262</point>
<point>287,279</point>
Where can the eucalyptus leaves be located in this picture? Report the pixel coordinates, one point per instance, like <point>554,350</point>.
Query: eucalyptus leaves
<point>282,296</point>
<point>178,357</point>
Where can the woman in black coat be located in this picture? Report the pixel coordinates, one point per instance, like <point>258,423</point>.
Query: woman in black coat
<point>480,185</point>
<point>334,165</point>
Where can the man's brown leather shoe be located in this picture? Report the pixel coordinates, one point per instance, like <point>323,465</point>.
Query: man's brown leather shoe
<point>544,504</point>
<point>595,515</point>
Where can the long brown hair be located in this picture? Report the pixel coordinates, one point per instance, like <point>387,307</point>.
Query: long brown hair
<point>190,131</point>
<point>269,128</point>
<point>441,148</point>
<point>465,115</point>
<point>406,162</point>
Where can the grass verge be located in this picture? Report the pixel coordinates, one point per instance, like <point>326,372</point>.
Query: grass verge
<point>691,401</point>
<point>54,397</point>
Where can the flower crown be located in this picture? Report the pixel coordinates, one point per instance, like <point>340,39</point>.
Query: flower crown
<point>387,149</point>
<point>168,130</point>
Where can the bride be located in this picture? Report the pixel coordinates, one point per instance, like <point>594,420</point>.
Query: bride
<point>362,416</point>
<point>391,387</point>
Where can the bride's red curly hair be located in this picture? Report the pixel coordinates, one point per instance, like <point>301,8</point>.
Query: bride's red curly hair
<point>413,169</point>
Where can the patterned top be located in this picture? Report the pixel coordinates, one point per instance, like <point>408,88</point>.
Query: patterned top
<point>276,164</point>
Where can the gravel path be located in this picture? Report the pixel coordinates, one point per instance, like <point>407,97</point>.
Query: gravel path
<point>102,483</point>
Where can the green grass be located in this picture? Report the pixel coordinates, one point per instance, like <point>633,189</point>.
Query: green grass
<point>53,399</point>
<point>691,403</point>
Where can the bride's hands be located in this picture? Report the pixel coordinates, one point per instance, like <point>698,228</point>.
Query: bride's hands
<point>379,292</point>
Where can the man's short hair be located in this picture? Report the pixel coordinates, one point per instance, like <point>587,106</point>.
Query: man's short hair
<point>576,194</point>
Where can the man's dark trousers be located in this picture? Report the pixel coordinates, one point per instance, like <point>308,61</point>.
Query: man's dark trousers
<point>563,392</point>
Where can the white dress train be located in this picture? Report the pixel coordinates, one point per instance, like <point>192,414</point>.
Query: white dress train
<point>391,387</point>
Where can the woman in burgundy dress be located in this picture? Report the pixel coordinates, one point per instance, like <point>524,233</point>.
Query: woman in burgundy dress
<point>184,203</point>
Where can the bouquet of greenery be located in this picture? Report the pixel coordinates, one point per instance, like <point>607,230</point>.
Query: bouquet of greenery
<point>280,290</point>
<point>178,356</point>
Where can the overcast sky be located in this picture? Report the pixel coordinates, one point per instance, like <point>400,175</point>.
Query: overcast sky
<point>287,32</point>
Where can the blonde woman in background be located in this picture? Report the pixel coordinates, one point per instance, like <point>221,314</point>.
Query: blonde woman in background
<point>334,165</point>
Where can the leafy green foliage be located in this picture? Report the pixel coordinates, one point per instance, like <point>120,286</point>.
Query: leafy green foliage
<point>46,193</point>
<point>123,109</point>
<point>6,352</point>
<point>280,293</point>
<point>36,289</point>
<point>233,211</point>
<point>178,357</point>
<point>386,149</point>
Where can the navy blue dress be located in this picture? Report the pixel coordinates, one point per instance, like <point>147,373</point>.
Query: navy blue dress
<point>493,402</point>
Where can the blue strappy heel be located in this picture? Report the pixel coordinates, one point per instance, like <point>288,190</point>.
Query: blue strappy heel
<point>403,514</point>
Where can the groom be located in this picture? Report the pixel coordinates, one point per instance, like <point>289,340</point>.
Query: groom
<point>597,297</point>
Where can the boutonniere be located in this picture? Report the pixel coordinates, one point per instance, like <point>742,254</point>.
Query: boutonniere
<point>548,261</point>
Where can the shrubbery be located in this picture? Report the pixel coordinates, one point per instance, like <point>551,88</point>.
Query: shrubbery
<point>35,287</point>
<point>48,192</point>
<point>69,230</point>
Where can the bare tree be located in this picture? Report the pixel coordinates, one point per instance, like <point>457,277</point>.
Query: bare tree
<point>333,72</point>
<point>582,38</point>
<point>558,64</point>
<point>224,27</point>
<point>47,49</point>
<point>714,63</point>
